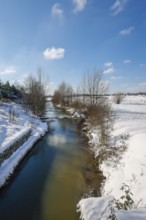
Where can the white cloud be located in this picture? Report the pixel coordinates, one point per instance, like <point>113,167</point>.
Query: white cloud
<point>140,87</point>
<point>116,77</point>
<point>142,65</point>
<point>57,11</point>
<point>118,6</point>
<point>142,84</point>
<point>108,64</point>
<point>54,53</point>
<point>110,70</point>
<point>126,31</point>
<point>125,85</point>
<point>9,70</point>
<point>57,139</point>
<point>79,5</point>
<point>127,61</point>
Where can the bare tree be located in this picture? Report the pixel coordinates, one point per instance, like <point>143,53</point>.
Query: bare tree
<point>35,92</point>
<point>63,95</point>
<point>69,94</point>
<point>93,86</point>
<point>83,88</point>
<point>56,97</point>
<point>98,109</point>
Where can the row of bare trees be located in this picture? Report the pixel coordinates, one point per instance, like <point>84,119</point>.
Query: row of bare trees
<point>90,93</point>
<point>90,90</point>
<point>94,86</point>
<point>89,97</point>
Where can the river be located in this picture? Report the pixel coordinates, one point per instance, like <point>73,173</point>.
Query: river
<point>54,175</point>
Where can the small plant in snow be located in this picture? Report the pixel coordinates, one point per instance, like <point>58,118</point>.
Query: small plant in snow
<point>112,215</point>
<point>13,116</point>
<point>125,202</point>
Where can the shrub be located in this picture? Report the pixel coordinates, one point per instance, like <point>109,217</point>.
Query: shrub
<point>34,96</point>
<point>78,105</point>
<point>118,98</point>
<point>125,202</point>
<point>101,116</point>
<point>13,116</point>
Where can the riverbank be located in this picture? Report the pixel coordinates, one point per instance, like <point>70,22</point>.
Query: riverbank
<point>54,175</point>
<point>126,164</point>
<point>19,131</point>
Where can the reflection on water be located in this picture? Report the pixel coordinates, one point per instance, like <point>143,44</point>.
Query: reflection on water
<point>66,183</point>
<point>50,182</point>
<point>63,189</point>
<point>57,139</point>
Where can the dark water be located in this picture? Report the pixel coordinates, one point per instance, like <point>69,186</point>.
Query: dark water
<point>50,181</point>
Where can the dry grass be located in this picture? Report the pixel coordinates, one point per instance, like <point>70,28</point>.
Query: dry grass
<point>78,105</point>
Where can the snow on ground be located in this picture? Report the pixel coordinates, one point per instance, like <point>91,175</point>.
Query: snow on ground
<point>131,169</point>
<point>12,131</point>
<point>94,208</point>
<point>130,166</point>
<point>100,209</point>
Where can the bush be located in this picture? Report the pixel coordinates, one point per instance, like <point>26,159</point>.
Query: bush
<point>78,105</point>
<point>13,116</point>
<point>125,202</point>
<point>118,98</point>
<point>101,116</point>
<point>35,92</point>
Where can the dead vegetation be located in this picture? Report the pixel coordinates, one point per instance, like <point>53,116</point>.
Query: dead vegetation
<point>118,97</point>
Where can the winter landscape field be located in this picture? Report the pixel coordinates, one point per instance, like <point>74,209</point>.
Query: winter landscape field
<point>72,110</point>
<point>126,166</point>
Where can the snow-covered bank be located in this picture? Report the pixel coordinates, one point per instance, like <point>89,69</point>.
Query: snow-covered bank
<point>12,131</point>
<point>128,167</point>
<point>131,169</point>
<point>100,209</point>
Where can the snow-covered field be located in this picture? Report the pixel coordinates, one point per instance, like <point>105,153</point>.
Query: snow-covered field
<point>128,168</point>
<point>11,130</point>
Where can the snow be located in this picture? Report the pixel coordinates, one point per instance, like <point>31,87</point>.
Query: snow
<point>13,134</point>
<point>131,169</point>
<point>12,131</point>
<point>100,209</point>
<point>94,208</point>
<point>130,165</point>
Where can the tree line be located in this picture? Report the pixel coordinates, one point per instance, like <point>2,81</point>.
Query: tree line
<point>89,95</point>
<point>31,94</point>
<point>8,91</point>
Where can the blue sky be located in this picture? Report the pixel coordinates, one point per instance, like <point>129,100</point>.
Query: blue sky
<point>69,37</point>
